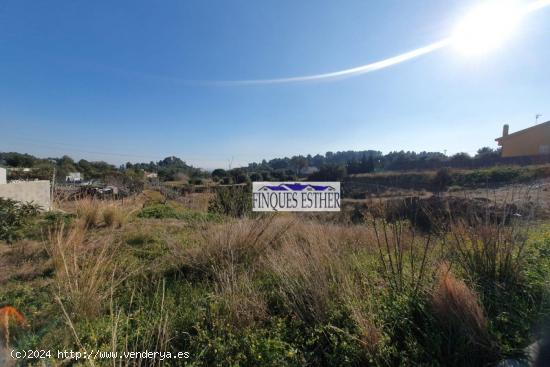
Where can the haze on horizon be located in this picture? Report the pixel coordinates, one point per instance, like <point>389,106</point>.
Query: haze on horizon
<point>108,81</point>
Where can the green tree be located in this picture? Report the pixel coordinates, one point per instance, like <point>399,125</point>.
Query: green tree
<point>442,180</point>
<point>329,172</point>
<point>299,163</point>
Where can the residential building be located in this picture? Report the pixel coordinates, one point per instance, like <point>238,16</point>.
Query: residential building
<point>533,141</point>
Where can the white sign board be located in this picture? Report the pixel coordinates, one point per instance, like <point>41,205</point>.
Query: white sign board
<point>296,196</point>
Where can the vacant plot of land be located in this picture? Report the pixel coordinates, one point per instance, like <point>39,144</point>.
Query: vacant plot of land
<point>288,290</point>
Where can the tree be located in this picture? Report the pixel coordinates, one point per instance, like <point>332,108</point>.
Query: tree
<point>367,164</point>
<point>219,173</point>
<point>299,163</point>
<point>18,160</point>
<point>353,166</point>
<point>329,172</point>
<point>239,175</point>
<point>255,176</point>
<point>442,180</point>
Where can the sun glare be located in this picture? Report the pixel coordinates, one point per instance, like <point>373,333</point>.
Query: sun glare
<point>487,26</point>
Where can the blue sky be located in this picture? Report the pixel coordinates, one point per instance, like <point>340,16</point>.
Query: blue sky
<point>106,80</point>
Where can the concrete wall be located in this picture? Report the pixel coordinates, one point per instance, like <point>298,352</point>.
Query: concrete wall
<point>35,191</point>
<point>2,176</point>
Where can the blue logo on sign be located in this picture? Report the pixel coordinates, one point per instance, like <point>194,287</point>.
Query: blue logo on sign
<point>296,187</point>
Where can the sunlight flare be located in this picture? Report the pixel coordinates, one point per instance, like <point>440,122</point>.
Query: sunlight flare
<point>485,28</point>
<point>488,26</point>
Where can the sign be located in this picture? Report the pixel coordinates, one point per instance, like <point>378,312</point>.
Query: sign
<point>296,196</point>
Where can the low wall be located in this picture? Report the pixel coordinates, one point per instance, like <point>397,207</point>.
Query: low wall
<point>2,176</point>
<point>35,191</point>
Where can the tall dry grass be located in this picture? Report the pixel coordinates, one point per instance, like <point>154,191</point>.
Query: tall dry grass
<point>113,216</point>
<point>306,258</point>
<point>463,321</point>
<point>308,263</point>
<point>85,271</point>
<point>454,303</point>
<point>93,212</point>
<point>236,244</point>
<point>88,210</point>
<point>489,250</point>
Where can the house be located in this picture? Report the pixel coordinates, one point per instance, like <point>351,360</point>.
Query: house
<point>533,141</point>
<point>73,177</point>
<point>151,174</point>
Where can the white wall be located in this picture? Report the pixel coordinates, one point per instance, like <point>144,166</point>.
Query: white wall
<point>35,191</point>
<point>3,179</point>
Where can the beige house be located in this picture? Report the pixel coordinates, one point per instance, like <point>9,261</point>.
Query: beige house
<point>533,141</point>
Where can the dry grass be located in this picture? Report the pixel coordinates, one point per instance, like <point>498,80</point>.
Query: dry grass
<point>85,270</point>
<point>24,260</point>
<point>299,266</point>
<point>454,303</point>
<point>307,258</point>
<point>113,216</point>
<point>229,255</point>
<point>490,251</point>
<point>94,213</point>
<point>245,304</point>
<point>459,312</point>
<point>197,201</point>
<point>235,244</point>
<point>307,264</point>
<point>88,210</point>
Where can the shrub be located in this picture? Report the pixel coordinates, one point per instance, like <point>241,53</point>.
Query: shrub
<point>496,260</point>
<point>56,218</point>
<point>14,216</point>
<point>235,201</point>
<point>159,211</point>
<point>167,211</point>
<point>442,180</point>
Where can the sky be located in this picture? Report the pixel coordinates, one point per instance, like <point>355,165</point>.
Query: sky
<point>139,80</point>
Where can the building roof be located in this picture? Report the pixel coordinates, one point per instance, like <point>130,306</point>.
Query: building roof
<point>520,132</point>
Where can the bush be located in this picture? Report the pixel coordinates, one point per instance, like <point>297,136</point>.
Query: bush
<point>166,211</point>
<point>442,180</point>
<point>235,201</point>
<point>14,216</point>
<point>499,263</point>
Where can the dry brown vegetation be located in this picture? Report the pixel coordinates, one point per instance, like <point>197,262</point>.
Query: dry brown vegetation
<point>85,270</point>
